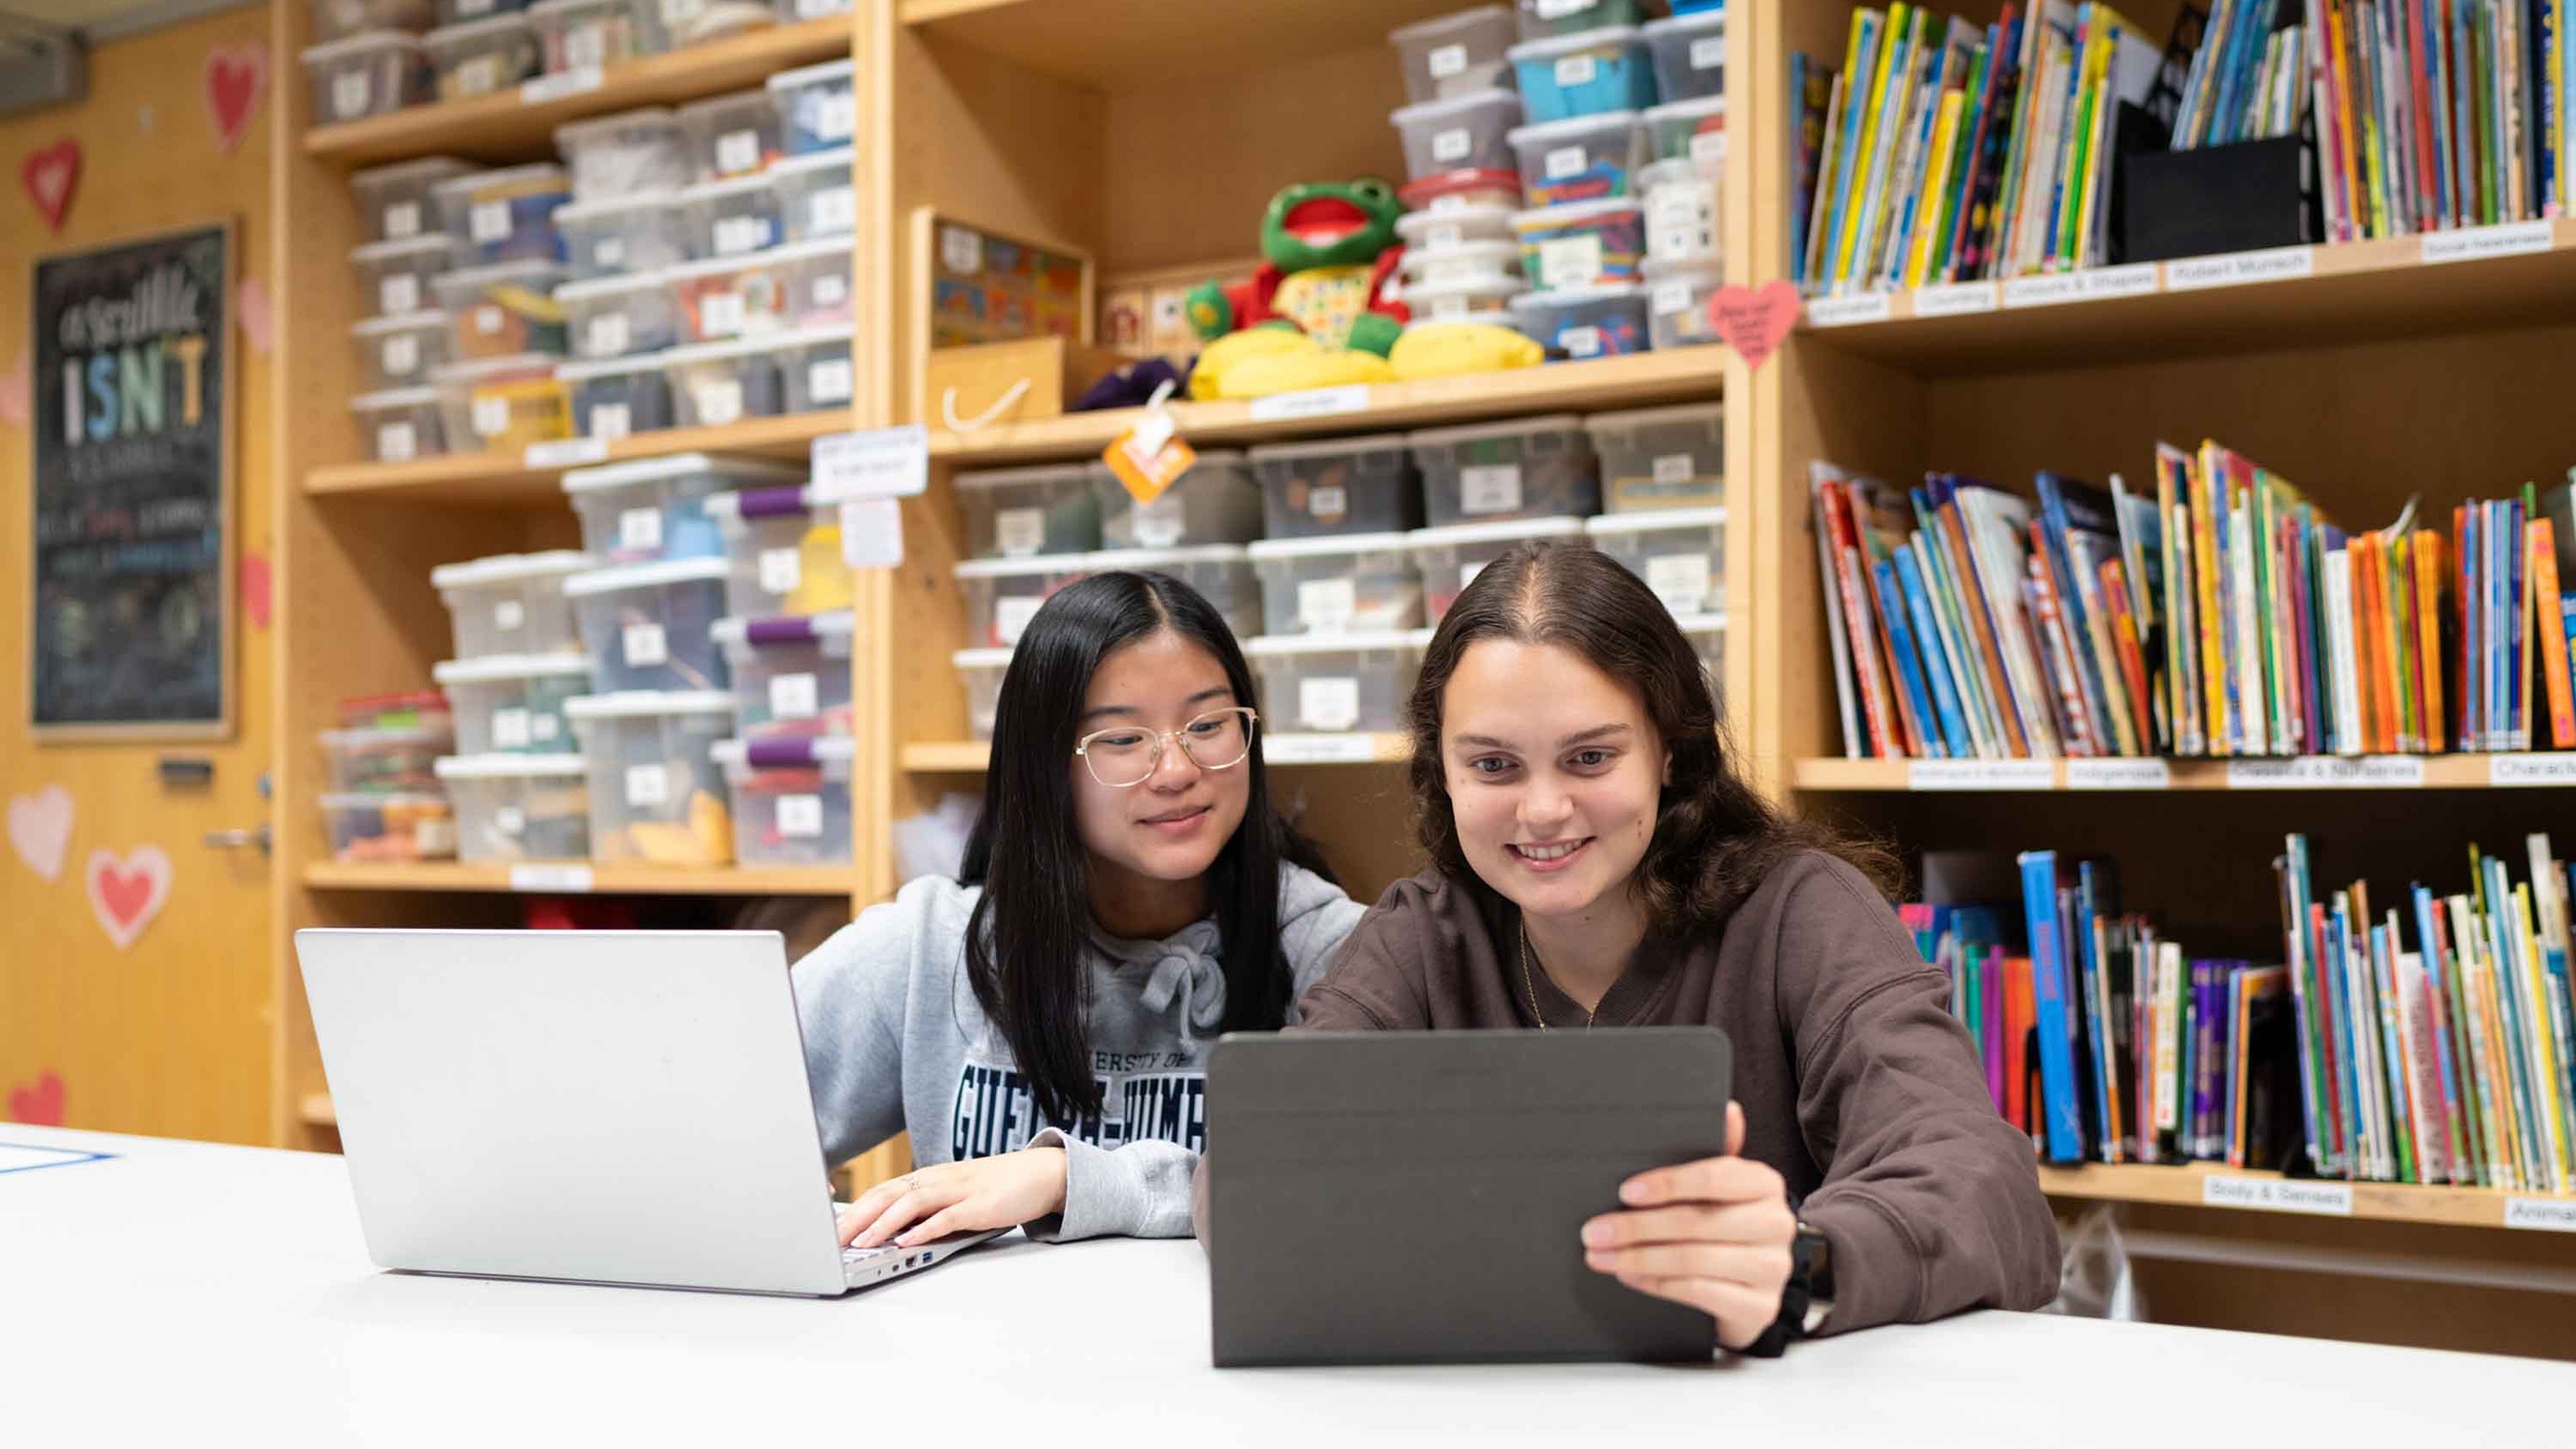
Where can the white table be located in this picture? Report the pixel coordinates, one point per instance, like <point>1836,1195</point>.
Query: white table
<point>222,1293</point>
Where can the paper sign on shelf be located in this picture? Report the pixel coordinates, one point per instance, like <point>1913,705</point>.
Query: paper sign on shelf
<point>562,879</point>
<point>2229,269</point>
<point>2541,1214</point>
<point>567,453</point>
<point>2524,771</point>
<point>1956,299</point>
<point>1316,402</point>
<point>877,463</point>
<point>2476,243</point>
<point>2277,1195</point>
<point>2327,772</point>
<point>2118,774</point>
<point>1844,311</point>
<point>872,533</point>
<point>1980,775</point>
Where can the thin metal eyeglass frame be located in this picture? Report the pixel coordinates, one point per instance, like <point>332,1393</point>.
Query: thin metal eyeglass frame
<point>1167,739</point>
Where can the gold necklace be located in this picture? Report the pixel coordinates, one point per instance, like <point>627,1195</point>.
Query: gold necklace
<point>1530,985</point>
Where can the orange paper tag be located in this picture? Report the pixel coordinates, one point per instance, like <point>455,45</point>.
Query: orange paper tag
<point>1149,459</point>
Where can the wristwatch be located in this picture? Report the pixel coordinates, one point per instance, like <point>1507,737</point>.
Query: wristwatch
<point>1805,1300</point>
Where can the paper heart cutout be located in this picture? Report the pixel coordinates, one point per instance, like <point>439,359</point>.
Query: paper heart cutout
<point>50,177</point>
<point>255,586</point>
<point>39,1103</point>
<point>125,895</point>
<point>17,392</point>
<point>40,829</point>
<point>258,320</point>
<point>1755,321</point>
<point>235,77</point>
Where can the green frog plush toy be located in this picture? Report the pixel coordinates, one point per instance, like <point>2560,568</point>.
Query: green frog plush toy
<point>1321,310</point>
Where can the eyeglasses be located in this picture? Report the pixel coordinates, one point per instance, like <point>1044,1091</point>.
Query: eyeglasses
<point>1127,756</point>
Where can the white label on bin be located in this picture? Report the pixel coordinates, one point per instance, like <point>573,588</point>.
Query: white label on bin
<point>1452,144</point>
<point>511,821</point>
<point>1680,580</point>
<point>491,416</point>
<point>1671,297</point>
<point>1675,468</point>
<point>398,294</point>
<point>829,213</point>
<point>1559,9</point>
<point>511,730</point>
<point>1019,532</point>
<point>830,290</point>
<point>573,82</point>
<point>646,646</point>
<point>1569,261</point>
<point>1449,309</point>
<point>781,570</point>
<point>648,787</point>
<point>1576,70</point>
<point>1328,503</point>
<point>401,355</point>
<point>837,118</point>
<point>1011,617</point>
<point>1445,235</point>
<point>961,251</point>
<point>544,726</point>
<point>640,529</point>
<point>829,380</point>
<point>1565,161</point>
<point>817,9</point>
<point>402,219</point>
<point>1158,524</point>
<point>609,335</point>
<point>395,444</point>
<point>488,320</point>
<point>1708,146</point>
<point>872,533</point>
<point>1490,488</point>
<point>793,696</point>
<point>737,151</point>
<point>1580,341</point>
<point>720,314</point>
<point>509,616</point>
<point>1708,52</point>
<point>738,234</point>
<point>488,222</point>
<point>575,879</point>
<point>349,94</point>
<point>610,422</point>
<point>1325,606</point>
<point>1447,60</point>
<point>479,77</point>
<point>719,402</point>
<point>586,45</point>
<point>800,817</point>
<point>611,252</point>
<point>1328,704</point>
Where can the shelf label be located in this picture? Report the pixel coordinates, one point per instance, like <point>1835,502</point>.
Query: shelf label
<point>1297,749</point>
<point>2477,243</point>
<point>576,81</point>
<point>1980,775</point>
<point>2325,772</point>
<point>1957,299</point>
<point>2541,1214</point>
<point>887,463</point>
<point>2134,280</point>
<point>2231,269</point>
<point>567,453</point>
<point>2529,770</point>
<point>1845,311</point>
<point>2043,291</point>
<point>2122,774</point>
<point>2277,1195</point>
<point>1315,402</point>
<point>562,879</point>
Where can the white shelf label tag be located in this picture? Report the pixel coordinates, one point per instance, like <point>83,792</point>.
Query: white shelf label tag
<point>1325,606</point>
<point>1956,300</point>
<point>2277,1195</point>
<point>398,294</point>
<point>829,213</point>
<point>1452,144</point>
<point>553,879</point>
<point>510,729</point>
<point>574,452</point>
<point>488,222</point>
<point>2327,772</point>
<point>646,646</point>
<point>395,443</point>
<point>2531,770</point>
<point>2118,774</point>
<point>719,403</point>
<point>640,530</point>
<point>737,151</point>
<point>1980,775</point>
<point>1315,402</point>
<point>720,314</point>
<point>1307,749</point>
<point>829,380</point>
<point>2231,269</point>
<point>1565,161</point>
<point>2476,243</point>
<point>1845,311</point>
<point>402,220</point>
<point>648,787</point>
<point>2541,1214</point>
<point>895,463</point>
<point>1445,61</point>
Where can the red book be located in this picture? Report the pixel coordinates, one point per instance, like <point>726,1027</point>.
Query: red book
<point>2021,1015</point>
<point>2133,659</point>
<point>2468,628</point>
<point>1857,617</point>
<point>2549,634</point>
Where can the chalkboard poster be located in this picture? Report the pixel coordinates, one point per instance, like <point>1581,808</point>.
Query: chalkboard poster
<point>132,419</point>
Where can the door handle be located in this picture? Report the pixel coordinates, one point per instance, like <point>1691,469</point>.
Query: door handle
<point>255,837</point>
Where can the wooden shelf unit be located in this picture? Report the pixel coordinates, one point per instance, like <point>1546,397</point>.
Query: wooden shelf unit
<point>969,757</point>
<point>584,878</point>
<point>500,478</point>
<point>2438,772</point>
<point>2188,1184</point>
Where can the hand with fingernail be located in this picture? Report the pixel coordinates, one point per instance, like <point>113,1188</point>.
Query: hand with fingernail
<point>1716,1235</point>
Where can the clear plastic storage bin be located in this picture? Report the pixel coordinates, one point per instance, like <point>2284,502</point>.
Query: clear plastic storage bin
<point>401,425</point>
<point>340,19</point>
<point>1681,212</point>
<point>1689,54</point>
<point>1679,552</point>
<point>1003,594</point>
<point>1585,158</point>
<point>394,201</point>
<point>1468,190</point>
<point>1582,243</point>
<point>1693,131</point>
<point>1584,74</point>
<point>622,239</point>
<point>783,289</point>
<point>384,829</point>
<point>648,626</point>
<point>619,316</point>
<point>615,157</point>
<point>1221,572</point>
<point>1677,298</point>
<point>457,12</point>
<point>791,799</point>
<point>1359,583</point>
<point>1707,634</point>
<point>1024,512</point>
<point>656,508</point>
<point>982,671</point>
<point>1338,486</point>
<point>816,199</point>
<point>512,704</point>
<point>1216,501</point>
<point>791,10</point>
<point>396,275</point>
<point>1542,18</point>
<point>399,352</point>
<point>589,35</point>
<point>814,369</point>
<point>816,111</point>
<point>656,796</point>
<point>716,384</point>
<point>733,217</point>
<point>1491,263</point>
<point>510,603</point>
<point>685,23</point>
<point>518,807</point>
<point>1450,558</point>
<point>506,216</point>
<point>507,310</point>
<point>733,135</point>
<point>373,74</point>
<point>1337,684</point>
<point>1455,55</point>
<point>1527,468</point>
<point>1476,300</point>
<point>502,405</point>
<point>791,676</point>
<point>783,546</point>
<point>617,397</point>
<point>1578,323</point>
<point>1453,225</point>
<point>1655,458</point>
<point>392,761</point>
<point>1461,133</point>
<point>481,57</point>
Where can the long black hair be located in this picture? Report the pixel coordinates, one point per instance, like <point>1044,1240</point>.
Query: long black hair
<point>1025,938</point>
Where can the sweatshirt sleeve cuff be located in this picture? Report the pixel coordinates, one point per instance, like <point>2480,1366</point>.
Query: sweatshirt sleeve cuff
<point>1877,1268</point>
<point>1102,1198</point>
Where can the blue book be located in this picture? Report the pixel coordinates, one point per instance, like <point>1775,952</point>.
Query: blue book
<point>1936,659</point>
<point>2066,505</point>
<point>2356,1147</point>
<point>1908,665</point>
<point>2064,1137</point>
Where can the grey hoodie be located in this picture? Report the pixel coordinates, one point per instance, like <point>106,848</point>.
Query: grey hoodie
<point>894,1041</point>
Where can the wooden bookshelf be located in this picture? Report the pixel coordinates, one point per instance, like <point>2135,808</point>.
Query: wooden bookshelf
<point>584,878</point>
<point>519,124</point>
<point>2211,1185</point>
<point>314,1109</point>
<point>529,478</point>
<point>2376,772</point>
<point>1109,43</point>
<point>969,757</point>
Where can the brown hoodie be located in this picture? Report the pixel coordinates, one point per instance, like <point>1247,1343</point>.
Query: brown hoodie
<point>1856,1083</point>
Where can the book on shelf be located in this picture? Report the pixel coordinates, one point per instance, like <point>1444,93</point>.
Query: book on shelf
<point>2221,614</point>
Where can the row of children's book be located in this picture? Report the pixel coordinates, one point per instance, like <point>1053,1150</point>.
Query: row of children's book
<point>2431,1039</point>
<point>2220,614</point>
<point>1943,151</point>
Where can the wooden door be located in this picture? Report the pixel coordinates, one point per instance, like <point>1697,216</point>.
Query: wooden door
<point>136,977</point>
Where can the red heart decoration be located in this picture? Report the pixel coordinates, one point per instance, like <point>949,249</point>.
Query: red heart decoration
<point>1755,321</point>
<point>235,76</point>
<point>126,894</point>
<point>50,176</point>
<point>255,587</point>
<point>39,1103</point>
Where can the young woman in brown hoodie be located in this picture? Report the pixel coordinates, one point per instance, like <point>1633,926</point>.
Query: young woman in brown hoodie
<point>1597,863</point>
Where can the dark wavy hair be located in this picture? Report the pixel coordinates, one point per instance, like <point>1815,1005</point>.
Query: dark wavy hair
<point>1025,938</point>
<point>1715,837</point>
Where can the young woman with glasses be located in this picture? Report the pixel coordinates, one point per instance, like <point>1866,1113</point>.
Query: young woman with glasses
<point>1040,1024</point>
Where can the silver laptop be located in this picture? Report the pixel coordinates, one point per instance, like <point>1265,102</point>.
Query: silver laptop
<point>621,1107</point>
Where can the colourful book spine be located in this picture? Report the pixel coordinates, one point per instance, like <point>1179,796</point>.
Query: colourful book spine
<point>2550,643</point>
<point>1936,662</point>
<point>2428,656</point>
<point>1905,662</point>
<point>2213,651</point>
<point>2061,1114</point>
